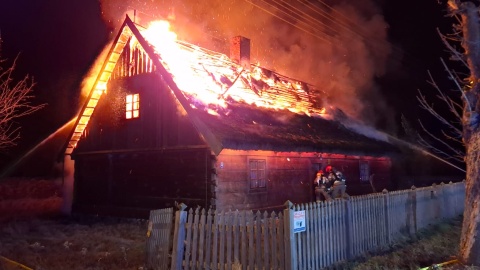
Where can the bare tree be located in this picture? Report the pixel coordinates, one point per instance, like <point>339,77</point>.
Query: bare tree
<point>448,144</point>
<point>464,44</point>
<point>15,102</point>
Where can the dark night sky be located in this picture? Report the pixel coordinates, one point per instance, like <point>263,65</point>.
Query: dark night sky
<point>413,31</point>
<point>58,40</point>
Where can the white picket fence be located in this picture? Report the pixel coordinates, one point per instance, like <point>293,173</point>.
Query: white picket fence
<point>159,241</point>
<point>344,229</point>
<point>332,232</point>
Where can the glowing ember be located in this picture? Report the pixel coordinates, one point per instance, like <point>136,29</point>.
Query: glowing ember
<point>208,79</point>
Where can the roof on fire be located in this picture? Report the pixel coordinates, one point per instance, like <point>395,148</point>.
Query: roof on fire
<point>240,126</point>
<point>252,128</point>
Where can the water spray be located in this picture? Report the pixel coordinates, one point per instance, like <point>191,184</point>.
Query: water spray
<point>417,148</point>
<point>382,136</point>
<point>32,150</point>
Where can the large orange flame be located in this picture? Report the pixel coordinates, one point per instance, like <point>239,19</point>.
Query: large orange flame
<point>209,78</point>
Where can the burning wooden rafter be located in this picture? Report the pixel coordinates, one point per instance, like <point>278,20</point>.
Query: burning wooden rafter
<point>211,75</point>
<point>234,81</point>
<point>98,87</point>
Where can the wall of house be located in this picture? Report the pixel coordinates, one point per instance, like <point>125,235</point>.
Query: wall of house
<point>379,172</point>
<point>162,122</point>
<point>289,177</point>
<point>147,180</point>
<point>145,163</point>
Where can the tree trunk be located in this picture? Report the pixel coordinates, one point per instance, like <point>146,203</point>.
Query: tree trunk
<point>469,246</point>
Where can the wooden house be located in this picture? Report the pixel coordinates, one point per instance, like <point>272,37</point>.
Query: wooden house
<point>147,137</point>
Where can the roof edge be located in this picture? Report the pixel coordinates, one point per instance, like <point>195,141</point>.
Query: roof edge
<point>204,131</point>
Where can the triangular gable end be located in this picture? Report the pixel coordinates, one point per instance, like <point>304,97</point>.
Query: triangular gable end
<point>128,30</point>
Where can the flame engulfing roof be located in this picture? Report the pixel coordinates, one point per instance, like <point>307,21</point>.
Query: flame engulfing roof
<point>212,80</point>
<point>230,106</point>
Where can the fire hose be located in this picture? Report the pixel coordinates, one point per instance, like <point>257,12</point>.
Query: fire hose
<point>17,264</point>
<point>438,265</point>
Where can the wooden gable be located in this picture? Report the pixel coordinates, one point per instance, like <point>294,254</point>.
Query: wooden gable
<point>98,87</point>
<point>233,128</point>
<point>124,61</point>
<point>161,123</point>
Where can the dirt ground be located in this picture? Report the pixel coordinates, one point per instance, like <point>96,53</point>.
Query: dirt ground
<point>34,235</point>
<point>74,243</point>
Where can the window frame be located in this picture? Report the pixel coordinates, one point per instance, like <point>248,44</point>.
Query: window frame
<point>257,184</point>
<point>132,106</point>
<point>364,171</point>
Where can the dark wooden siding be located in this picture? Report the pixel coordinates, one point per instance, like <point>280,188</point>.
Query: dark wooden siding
<point>289,177</point>
<point>146,180</point>
<point>144,163</point>
<point>162,122</point>
<point>286,180</point>
<point>350,167</point>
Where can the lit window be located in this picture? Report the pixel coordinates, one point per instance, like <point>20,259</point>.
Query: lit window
<point>364,171</point>
<point>132,109</point>
<point>257,174</point>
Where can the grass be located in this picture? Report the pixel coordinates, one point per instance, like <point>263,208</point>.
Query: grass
<point>33,234</point>
<point>109,243</point>
<point>434,245</point>
<point>75,243</point>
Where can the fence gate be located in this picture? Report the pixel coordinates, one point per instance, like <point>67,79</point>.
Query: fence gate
<point>159,239</point>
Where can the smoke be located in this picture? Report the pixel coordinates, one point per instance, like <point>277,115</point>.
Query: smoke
<point>342,55</point>
<point>91,76</point>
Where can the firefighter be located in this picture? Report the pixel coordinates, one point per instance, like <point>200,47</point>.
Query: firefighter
<point>339,185</point>
<point>321,187</point>
<point>330,174</point>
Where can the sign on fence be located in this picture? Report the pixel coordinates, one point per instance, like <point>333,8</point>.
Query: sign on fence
<point>338,231</point>
<point>299,221</point>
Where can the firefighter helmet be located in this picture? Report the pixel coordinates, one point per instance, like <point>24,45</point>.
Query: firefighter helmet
<point>319,173</point>
<point>328,169</point>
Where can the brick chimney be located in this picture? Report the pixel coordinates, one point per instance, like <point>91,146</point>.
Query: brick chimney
<point>240,51</point>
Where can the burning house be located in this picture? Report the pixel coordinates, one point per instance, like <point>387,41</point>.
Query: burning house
<point>167,121</point>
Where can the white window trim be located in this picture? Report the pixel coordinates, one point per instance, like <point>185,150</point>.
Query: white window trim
<point>132,106</point>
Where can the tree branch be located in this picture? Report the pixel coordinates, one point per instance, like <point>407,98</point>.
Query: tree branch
<point>15,102</point>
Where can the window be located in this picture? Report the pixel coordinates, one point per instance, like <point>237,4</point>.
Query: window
<point>257,174</point>
<point>364,171</point>
<point>132,109</point>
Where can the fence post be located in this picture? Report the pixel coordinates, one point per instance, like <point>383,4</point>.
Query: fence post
<point>179,237</point>
<point>451,202</point>
<point>462,197</point>
<point>348,233</point>
<point>412,211</point>
<point>289,237</point>
<point>444,201</point>
<point>438,196</point>
<point>386,200</point>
